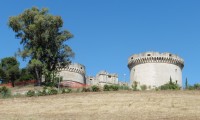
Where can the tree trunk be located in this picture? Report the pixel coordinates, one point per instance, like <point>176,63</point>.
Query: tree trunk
<point>13,83</point>
<point>38,77</point>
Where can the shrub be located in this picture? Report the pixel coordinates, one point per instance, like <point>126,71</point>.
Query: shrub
<point>111,88</point>
<point>143,87</point>
<point>85,89</point>
<point>5,92</point>
<point>170,86</point>
<point>41,93</point>
<point>190,88</point>
<point>115,87</point>
<point>30,93</point>
<point>66,90</point>
<point>47,91</point>
<point>106,88</point>
<point>53,91</point>
<point>194,87</point>
<point>123,87</point>
<point>50,91</point>
<point>50,84</point>
<point>134,86</point>
<point>197,86</point>
<point>95,88</point>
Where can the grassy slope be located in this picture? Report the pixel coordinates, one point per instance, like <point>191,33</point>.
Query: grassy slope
<point>105,105</point>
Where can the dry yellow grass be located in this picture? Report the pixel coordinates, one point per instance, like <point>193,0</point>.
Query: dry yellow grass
<point>121,105</point>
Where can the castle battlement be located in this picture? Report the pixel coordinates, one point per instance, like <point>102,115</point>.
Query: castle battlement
<point>74,67</point>
<point>155,57</point>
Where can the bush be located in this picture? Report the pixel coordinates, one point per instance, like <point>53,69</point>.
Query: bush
<point>194,87</point>
<point>85,89</point>
<point>143,87</point>
<point>115,87</point>
<point>41,93</point>
<point>66,90</point>
<point>197,86</point>
<point>111,88</point>
<point>95,88</point>
<point>170,86</point>
<point>30,93</point>
<point>50,90</point>
<point>50,84</point>
<point>106,88</point>
<point>134,86</point>
<point>5,92</point>
<point>47,91</point>
<point>53,91</point>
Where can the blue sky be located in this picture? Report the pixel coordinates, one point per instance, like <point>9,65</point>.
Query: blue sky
<point>107,32</point>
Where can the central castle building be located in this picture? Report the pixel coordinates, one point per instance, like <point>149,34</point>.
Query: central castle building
<point>154,69</point>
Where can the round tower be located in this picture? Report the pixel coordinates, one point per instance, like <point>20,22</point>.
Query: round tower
<point>73,75</point>
<point>154,69</point>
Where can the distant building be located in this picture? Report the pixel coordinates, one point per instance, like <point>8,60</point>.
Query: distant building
<point>102,78</point>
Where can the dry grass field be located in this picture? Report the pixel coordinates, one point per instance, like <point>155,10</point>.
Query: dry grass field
<point>121,105</point>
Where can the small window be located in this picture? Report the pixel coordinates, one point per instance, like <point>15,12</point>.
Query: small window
<point>81,68</point>
<point>148,54</point>
<point>90,79</point>
<point>170,55</point>
<point>109,76</point>
<point>131,57</point>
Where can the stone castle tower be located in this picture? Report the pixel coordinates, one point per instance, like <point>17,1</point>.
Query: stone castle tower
<point>73,75</point>
<point>154,69</point>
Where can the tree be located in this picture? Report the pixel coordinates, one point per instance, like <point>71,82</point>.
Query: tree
<point>42,39</point>
<point>10,67</point>
<point>2,74</point>
<point>25,74</point>
<point>186,84</point>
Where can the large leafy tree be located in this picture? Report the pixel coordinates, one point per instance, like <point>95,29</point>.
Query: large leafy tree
<point>10,69</point>
<point>42,38</point>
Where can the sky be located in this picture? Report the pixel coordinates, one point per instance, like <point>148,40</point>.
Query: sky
<point>107,32</point>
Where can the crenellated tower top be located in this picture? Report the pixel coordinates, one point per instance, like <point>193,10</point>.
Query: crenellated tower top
<point>155,57</point>
<point>74,67</point>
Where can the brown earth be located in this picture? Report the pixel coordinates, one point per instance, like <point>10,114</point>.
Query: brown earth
<point>121,105</point>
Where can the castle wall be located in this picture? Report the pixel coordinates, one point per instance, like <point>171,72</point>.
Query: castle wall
<point>91,80</point>
<point>156,74</point>
<point>72,76</point>
<point>105,78</point>
<point>154,69</point>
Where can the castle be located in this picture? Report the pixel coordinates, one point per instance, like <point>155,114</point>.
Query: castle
<point>154,69</point>
<point>73,75</point>
<point>102,78</point>
<point>151,69</point>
